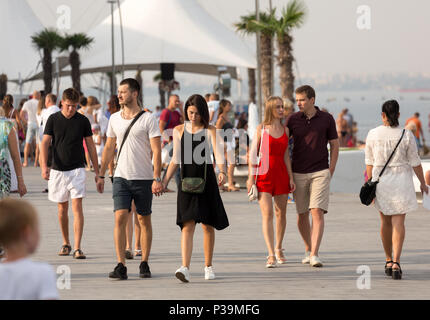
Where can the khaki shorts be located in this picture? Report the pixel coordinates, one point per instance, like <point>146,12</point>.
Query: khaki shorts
<point>312,190</point>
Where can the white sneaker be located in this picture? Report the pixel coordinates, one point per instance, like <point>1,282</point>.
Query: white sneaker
<point>307,258</point>
<point>316,262</point>
<point>209,273</point>
<point>183,274</point>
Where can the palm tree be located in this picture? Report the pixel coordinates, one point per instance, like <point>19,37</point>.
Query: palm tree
<point>251,85</point>
<point>76,41</point>
<point>293,16</point>
<point>249,25</point>
<point>47,40</point>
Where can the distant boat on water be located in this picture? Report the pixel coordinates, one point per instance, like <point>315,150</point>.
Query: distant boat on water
<point>424,98</point>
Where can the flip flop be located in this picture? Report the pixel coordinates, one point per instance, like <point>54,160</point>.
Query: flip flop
<point>65,250</point>
<point>78,254</point>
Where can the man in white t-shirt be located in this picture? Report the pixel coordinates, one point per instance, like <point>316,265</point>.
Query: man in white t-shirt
<point>28,114</point>
<point>134,178</point>
<point>51,107</point>
<point>213,107</point>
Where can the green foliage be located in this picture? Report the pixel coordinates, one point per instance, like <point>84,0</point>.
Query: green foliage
<point>76,41</point>
<point>292,16</point>
<point>47,39</point>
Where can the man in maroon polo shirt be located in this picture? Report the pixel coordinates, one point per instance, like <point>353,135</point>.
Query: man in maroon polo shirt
<point>312,129</point>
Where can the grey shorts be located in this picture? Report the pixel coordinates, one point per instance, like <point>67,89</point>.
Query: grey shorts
<point>125,191</point>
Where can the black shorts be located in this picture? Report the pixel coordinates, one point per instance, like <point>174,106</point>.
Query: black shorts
<point>125,191</point>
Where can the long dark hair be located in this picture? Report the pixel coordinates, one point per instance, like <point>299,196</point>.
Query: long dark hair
<point>391,109</point>
<point>199,102</point>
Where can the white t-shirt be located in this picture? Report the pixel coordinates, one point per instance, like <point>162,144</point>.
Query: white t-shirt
<point>27,280</point>
<point>135,161</point>
<point>213,106</point>
<point>46,113</point>
<point>30,107</point>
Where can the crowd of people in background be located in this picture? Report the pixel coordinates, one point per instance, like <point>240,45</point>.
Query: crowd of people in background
<point>74,135</point>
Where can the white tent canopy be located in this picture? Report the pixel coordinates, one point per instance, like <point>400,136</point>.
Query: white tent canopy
<point>17,24</point>
<point>168,31</point>
<point>70,16</point>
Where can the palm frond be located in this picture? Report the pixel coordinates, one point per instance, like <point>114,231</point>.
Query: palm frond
<point>76,41</point>
<point>293,16</point>
<point>46,39</point>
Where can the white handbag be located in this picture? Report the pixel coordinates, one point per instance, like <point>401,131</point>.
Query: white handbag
<point>253,192</point>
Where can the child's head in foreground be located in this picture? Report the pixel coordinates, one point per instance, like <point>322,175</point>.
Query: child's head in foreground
<point>19,229</point>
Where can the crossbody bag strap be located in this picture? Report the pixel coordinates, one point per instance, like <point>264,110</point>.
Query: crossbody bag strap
<point>259,153</point>
<point>392,153</point>
<point>127,132</point>
<point>206,165</point>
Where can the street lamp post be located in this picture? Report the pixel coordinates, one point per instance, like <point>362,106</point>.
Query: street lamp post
<point>259,97</point>
<point>113,85</point>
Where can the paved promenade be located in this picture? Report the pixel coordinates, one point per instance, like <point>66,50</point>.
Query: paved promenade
<point>351,240</point>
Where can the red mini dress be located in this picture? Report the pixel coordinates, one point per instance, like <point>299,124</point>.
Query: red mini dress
<point>272,175</point>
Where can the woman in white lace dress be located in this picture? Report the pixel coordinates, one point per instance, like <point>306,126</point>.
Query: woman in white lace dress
<point>395,192</point>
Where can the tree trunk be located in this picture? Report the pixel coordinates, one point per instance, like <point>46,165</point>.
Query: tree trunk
<point>3,85</point>
<point>47,70</point>
<point>139,79</point>
<point>162,95</point>
<point>266,66</point>
<point>251,85</point>
<point>75,63</point>
<point>285,62</point>
<point>112,83</point>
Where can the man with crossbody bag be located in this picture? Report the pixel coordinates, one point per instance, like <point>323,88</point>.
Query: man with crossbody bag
<point>136,135</point>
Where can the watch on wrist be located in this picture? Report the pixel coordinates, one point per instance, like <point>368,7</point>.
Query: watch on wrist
<point>158,179</point>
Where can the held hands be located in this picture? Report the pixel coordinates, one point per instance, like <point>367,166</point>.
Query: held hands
<point>157,188</point>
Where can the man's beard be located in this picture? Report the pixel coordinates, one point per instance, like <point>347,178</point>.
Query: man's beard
<point>127,102</point>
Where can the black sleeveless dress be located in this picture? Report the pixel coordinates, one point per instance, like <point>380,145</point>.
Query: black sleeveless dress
<point>206,207</point>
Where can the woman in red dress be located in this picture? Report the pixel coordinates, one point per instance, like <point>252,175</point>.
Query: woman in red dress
<point>273,177</point>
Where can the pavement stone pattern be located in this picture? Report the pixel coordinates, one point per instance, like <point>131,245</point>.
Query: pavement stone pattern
<point>351,240</point>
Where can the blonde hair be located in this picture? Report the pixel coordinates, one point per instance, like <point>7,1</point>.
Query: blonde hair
<point>41,105</point>
<point>15,216</point>
<point>270,104</point>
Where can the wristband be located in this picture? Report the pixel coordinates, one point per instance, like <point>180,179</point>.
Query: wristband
<point>101,177</point>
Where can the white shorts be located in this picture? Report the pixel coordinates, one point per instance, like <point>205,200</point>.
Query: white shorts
<point>65,184</point>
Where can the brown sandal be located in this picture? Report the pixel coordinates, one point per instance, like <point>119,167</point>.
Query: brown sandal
<point>65,250</point>
<point>78,254</point>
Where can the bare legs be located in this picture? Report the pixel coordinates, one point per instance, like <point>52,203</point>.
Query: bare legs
<point>121,218</point>
<point>187,242</point>
<point>78,223</point>
<point>311,235</point>
<point>393,236</point>
<point>129,230</point>
<point>266,207</point>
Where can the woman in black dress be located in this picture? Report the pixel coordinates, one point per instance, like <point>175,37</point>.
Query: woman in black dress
<point>193,144</point>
